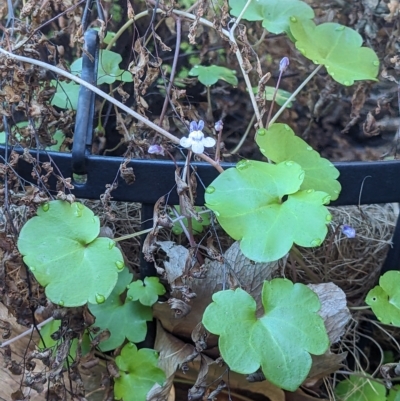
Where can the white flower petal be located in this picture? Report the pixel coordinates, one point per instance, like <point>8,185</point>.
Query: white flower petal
<point>186,142</point>
<point>197,147</point>
<point>208,142</point>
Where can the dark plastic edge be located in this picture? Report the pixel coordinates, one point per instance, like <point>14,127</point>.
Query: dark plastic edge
<point>362,182</point>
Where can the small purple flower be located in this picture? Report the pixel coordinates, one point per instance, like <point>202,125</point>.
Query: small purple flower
<point>348,231</point>
<point>156,150</point>
<point>284,64</point>
<point>196,138</point>
<point>219,126</point>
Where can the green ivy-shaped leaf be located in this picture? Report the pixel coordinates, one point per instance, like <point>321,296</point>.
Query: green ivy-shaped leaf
<point>146,293</point>
<point>138,373</point>
<point>108,71</point>
<point>338,48</point>
<point>210,75</point>
<point>274,13</point>
<point>66,96</point>
<point>360,389</point>
<point>280,98</point>
<point>384,299</point>
<point>122,317</point>
<point>281,341</point>
<point>249,204</point>
<point>197,226</point>
<point>279,143</point>
<point>61,248</point>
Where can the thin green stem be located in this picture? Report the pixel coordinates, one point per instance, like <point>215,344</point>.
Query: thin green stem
<point>273,99</point>
<point>294,94</point>
<point>359,307</point>
<point>243,138</point>
<point>125,27</point>
<point>138,233</point>
<point>209,113</point>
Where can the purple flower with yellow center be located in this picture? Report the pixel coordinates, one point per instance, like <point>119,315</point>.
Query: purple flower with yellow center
<point>196,140</point>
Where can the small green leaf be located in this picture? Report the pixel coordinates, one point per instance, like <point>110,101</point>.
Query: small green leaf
<point>210,75</point>
<point>360,389</point>
<point>109,36</point>
<point>138,373</point>
<point>281,95</point>
<point>108,71</point>
<point>274,13</point>
<point>123,318</point>
<point>280,341</point>
<point>338,48</point>
<point>146,293</point>
<point>197,226</point>
<point>66,96</point>
<point>384,299</point>
<point>248,202</point>
<point>279,143</point>
<point>61,248</point>
<point>15,128</point>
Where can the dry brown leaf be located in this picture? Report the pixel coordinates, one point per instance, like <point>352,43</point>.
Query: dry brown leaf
<point>172,354</point>
<point>300,395</point>
<point>324,365</point>
<point>178,255</point>
<point>236,269</point>
<point>333,310</point>
<point>237,383</point>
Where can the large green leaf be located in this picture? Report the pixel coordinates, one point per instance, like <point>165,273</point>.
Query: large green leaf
<point>360,389</point>
<point>250,206</point>
<point>384,299</point>
<point>280,341</point>
<point>274,13</point>
<point>210,75</point>
<point>138,373</point>
<point>61,248</point>
<point>279,143</point>
<point>124,318</point>
<point>338,48</point>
